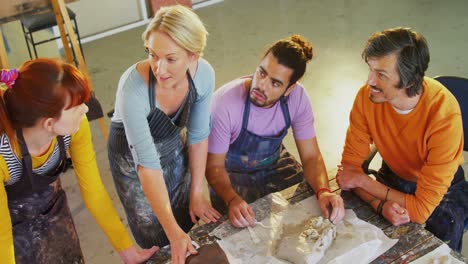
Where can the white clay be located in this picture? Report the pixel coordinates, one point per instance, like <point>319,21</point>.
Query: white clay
<point>306,243</point>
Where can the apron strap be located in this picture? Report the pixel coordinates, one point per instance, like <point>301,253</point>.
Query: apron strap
<point>285,109</point>
<point>152,87</point>
<point>27,161</point>
<point>245,117</point>
<point>26,158</point>
<point>151,90</point>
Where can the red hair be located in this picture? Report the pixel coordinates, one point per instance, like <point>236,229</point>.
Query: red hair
<point>41,91</point>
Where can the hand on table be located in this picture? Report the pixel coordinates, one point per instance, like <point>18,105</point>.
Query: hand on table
<point>241,213</point>
<point>395,214</point>
<point>132,255</point>
<point>200,207</point>
<point>181,243</point>
<point>334,202</point>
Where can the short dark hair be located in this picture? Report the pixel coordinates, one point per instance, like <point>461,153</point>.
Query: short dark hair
<point>411,49</point>
<point>293,52</point>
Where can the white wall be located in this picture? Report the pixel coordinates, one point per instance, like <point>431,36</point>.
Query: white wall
<point>96,16</point>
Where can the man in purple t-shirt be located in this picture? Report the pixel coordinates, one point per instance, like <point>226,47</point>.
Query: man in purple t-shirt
<point>250,118</point>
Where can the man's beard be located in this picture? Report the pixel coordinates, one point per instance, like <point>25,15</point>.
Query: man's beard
<point>265,103</point>
<point>254,100</point>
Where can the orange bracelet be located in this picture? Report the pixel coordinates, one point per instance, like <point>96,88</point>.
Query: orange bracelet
<point>320,190</point>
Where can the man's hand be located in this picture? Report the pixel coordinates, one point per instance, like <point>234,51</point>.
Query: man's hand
<point>133,256</point>
<point>349,177</point>
<point>395,214</point>
<point>240,213</point>
<point>200,207</point>
<point>330,201</point>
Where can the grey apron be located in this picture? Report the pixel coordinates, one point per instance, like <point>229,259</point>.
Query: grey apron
<point>259,165</point>
<point>43,228</point>
<point>168,138</point>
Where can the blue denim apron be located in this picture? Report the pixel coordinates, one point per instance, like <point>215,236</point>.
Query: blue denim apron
<point>259,165</point>
<point>170,142</point>
<point>447,221</point>
<point>43,228</point>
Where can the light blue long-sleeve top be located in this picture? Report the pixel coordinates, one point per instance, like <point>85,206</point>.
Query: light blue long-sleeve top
<point>132,109</point>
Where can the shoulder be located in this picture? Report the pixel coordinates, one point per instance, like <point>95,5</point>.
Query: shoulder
<point>438,100</point>
<point>204,78</point>
<point>131,84</point>
<point>4,142</point>
<point>130,80</point>
<point>228,100</point>
<point>204,69</point>
<point>5,145</point>
<point>205,73</point>
<point>233,92</point>
<point>83,133</point>
<point>299,92</point>
<point>129,74</point>
<point>361,99</point>
<point>298,98</point>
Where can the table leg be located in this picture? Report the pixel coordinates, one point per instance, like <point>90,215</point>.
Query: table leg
<point>61,11</point>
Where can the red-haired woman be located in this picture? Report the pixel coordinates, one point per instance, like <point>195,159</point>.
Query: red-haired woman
<point>42,115</point>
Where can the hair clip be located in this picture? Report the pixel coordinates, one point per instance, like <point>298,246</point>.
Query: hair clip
<point>8,77</point>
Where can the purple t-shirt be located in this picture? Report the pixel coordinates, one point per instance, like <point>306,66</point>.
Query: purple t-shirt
<point>227,110</point>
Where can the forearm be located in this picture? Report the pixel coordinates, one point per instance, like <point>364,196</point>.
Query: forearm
<point>101,208</point>
<point>367,197</point>
<point>197,159</point>
<point>218,179</point>
<point>315,173</point>
<point>154,188</point>
<point>381,191</point>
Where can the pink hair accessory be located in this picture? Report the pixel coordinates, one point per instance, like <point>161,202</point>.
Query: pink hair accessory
<point>8,77</point>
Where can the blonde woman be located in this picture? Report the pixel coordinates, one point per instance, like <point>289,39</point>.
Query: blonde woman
<point>158,139</point>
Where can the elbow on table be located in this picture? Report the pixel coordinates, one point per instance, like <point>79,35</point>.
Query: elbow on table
<point>419,212</point>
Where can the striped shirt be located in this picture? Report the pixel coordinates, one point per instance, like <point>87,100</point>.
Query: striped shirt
<point>15,164</point>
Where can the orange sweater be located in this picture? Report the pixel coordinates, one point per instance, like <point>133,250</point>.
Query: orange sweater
<point>424,146</point>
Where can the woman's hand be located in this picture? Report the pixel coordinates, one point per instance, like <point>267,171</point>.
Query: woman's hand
<point>132,255</point>
<point>200,207</point>
<point>181,244</point>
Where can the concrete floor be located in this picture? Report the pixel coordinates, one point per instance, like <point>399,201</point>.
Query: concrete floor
<point>240,30</point>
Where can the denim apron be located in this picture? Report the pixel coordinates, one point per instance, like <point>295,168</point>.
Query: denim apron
<point>447,221</point>
<point>170,142</point>
<point>259,165</point>
<point>43,229</point>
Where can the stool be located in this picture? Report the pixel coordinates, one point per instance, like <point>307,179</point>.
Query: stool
<point>44,20</point>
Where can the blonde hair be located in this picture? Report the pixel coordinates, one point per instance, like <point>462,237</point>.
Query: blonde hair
<point>182,25</point>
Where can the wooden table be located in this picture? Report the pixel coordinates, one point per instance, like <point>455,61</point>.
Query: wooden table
<point>414,240</point>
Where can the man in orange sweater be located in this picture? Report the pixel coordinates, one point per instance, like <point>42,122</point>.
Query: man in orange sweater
<point>416,125</point>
